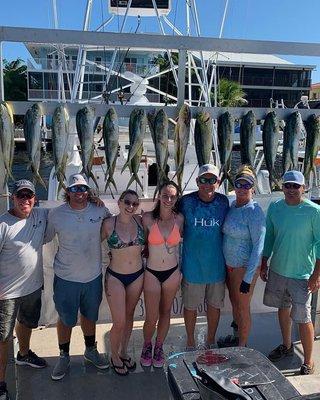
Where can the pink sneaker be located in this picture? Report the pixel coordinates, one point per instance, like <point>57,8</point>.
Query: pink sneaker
<point>146,355</point>
<point>158,356</point>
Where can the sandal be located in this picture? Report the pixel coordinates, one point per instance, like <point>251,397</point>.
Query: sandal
<point>131,365</point>
<point>118,368</point>
<point>307,369</point>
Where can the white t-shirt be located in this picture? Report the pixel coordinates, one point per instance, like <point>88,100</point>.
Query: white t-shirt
<point>78,258</point>
<point>21,269</point>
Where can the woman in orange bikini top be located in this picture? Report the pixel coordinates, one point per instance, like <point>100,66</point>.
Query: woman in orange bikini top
<point>163,231</point>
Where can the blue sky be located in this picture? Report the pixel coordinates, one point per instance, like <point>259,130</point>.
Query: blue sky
<point>283,20</point>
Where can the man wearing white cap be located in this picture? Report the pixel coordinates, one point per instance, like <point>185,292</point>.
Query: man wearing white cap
<point>293,242</point>
<point>21,276</point>
<point>203,265</point>
<point>77,267</point>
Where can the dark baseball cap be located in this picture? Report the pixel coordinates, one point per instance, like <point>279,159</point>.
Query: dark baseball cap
<point>23,184</point>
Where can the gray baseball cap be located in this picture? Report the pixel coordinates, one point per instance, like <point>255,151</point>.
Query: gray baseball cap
<point>77,179</point>
<point>23,184</point>
<point>293,177</point>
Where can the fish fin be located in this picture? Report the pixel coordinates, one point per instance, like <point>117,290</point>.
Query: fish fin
<point>135,177</point>
<point>91,175</point>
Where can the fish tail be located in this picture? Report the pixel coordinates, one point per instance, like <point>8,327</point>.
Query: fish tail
<point>91,175</point>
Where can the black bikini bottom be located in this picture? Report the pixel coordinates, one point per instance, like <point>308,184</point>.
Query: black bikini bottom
<point>126,279</point>
<point>162,276</point>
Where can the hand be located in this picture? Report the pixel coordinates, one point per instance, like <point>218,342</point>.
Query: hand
<point>98,202</point>
<point>264,273</point>
<point>313,283</point>
<point>244,287</point>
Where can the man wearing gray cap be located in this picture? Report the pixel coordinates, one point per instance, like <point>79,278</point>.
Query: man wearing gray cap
<point>203,265</point>
<point>293,242</point>
<point>77,267</point>
<point>21,276</point>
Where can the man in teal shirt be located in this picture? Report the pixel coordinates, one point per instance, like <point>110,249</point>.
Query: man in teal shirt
<point>293,240</point>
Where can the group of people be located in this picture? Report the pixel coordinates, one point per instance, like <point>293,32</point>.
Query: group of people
<point>222,244</point>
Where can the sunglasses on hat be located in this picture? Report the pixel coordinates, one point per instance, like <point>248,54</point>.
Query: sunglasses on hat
<point>78,189</point>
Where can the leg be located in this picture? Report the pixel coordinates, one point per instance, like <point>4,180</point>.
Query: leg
<point>88,327</point>
<point>133,292</point>
<point>214,296</point>
<point>192,294</point>
<point>64,332</point>
<point>152,295</point>
<point>169,290</point>
<point>285,326</point>
<point>213,317</point>
<point>307,337</point>
<point>23,335</point>
<point>4,349</point>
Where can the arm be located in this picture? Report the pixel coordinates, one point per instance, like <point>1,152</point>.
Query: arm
<point>314,280</point>
<point>145,223</point>
<point>105,227</point>
<point>50,231</point>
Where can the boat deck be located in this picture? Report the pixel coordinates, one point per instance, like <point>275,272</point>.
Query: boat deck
<point>84,381</point>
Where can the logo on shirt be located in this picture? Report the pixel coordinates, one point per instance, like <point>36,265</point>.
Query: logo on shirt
<point>37,225</point>
<point>94,220</point>
<point>206,222</point>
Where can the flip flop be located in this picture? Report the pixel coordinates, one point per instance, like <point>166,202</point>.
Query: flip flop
<point>117,368</point>
<point>131,365</point>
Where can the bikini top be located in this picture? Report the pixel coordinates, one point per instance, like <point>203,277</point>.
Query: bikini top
<point>115,242</point>
<point>155,237</point>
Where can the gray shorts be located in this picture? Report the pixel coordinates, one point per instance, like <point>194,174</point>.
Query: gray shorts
<point>193,294</point>
<point>25,309</point>
<point>283,292</point>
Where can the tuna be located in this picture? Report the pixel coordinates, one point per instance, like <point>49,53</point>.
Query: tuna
<point>293,132</point>
<point>32,134</point>
<point>248,138</point>
<point>111,143</point>
<point>270,138</point>
<point>60,136</point>
<point>312,144</point>
<point>6,139</point>
<point>85,128</point>
<point>225,136</point>
<point>203,138</point>
<point>182,133</point>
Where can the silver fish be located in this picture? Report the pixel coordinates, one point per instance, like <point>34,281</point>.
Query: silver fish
<point>225,136</point>
<point>32,134</point>
<point>182,133</point>
<point>203,138</point>
<point>111,142</point>
<point>293,132</point>
<point>60,136</point>
<point>270,139</point>
<point>85,128</point>
<point>312,144</point>
<point>6,139</point>
<point>248,138</point>
<point>161,144</point>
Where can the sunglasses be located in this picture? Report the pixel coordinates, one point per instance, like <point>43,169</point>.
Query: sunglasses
<point>292,185</point>
<point>166,197</point>
<point>78,189</point>
<point>245,186</point>
<point>25,195</point>
<point>129,203</point>
<point>204,180</point>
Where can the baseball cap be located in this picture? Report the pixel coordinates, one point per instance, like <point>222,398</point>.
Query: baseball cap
<point>77,179</point>
<point>209,169</point>
<point>23,184</point>
<point>293,177</point>
<point>246,174</point>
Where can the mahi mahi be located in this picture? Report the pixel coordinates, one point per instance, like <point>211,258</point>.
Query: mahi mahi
<point>312,144</point>
<point>111,142</point>
<point>248,138</point>
<point>6,139</point>
<point>203,138</point>
<point>161,145</point>
<point>270,139</point>
<point>32,134</point>
<point>182,133</point>
<point>60,136</point>
<point>293,132</point>
<point>225,136</point>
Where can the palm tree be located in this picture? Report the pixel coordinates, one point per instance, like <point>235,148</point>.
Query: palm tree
<point>230,94</point>
<point>15,80</point>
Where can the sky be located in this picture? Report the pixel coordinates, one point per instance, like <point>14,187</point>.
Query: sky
<point>280,20</point>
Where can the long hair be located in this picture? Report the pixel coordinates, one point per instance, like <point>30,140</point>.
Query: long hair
<point>156,210</point>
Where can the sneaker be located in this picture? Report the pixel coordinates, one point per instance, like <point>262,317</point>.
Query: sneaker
<point>228,341</point>
<point>92,355</point>
<point>61,367</point>
<point>281,352</point>
<point>31,359</point>
<point>4,395</point>
<point>158,356</point>
<point>146,355</point>
<point>307,369</point>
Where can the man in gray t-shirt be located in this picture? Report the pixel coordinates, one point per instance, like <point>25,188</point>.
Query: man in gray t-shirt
<point>78,270</point>
<point>21,276</point>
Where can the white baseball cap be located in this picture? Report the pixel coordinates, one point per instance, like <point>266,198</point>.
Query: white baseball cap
<point>209,169</point>
<point>77,179</point>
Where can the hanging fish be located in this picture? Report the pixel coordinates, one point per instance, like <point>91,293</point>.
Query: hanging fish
<point>225,136</point>
<point>111,143</point>
<point>293,132</point>
<point>312,144</point>
<point>151,117</point>
<point>60,136</point>
<point>270,139</point>
<point>32,134</point>
<point>6,139</point>
<point>182,133</point>
<point>248,138</point>
<point>161,145</point>
<point>203,138</point>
